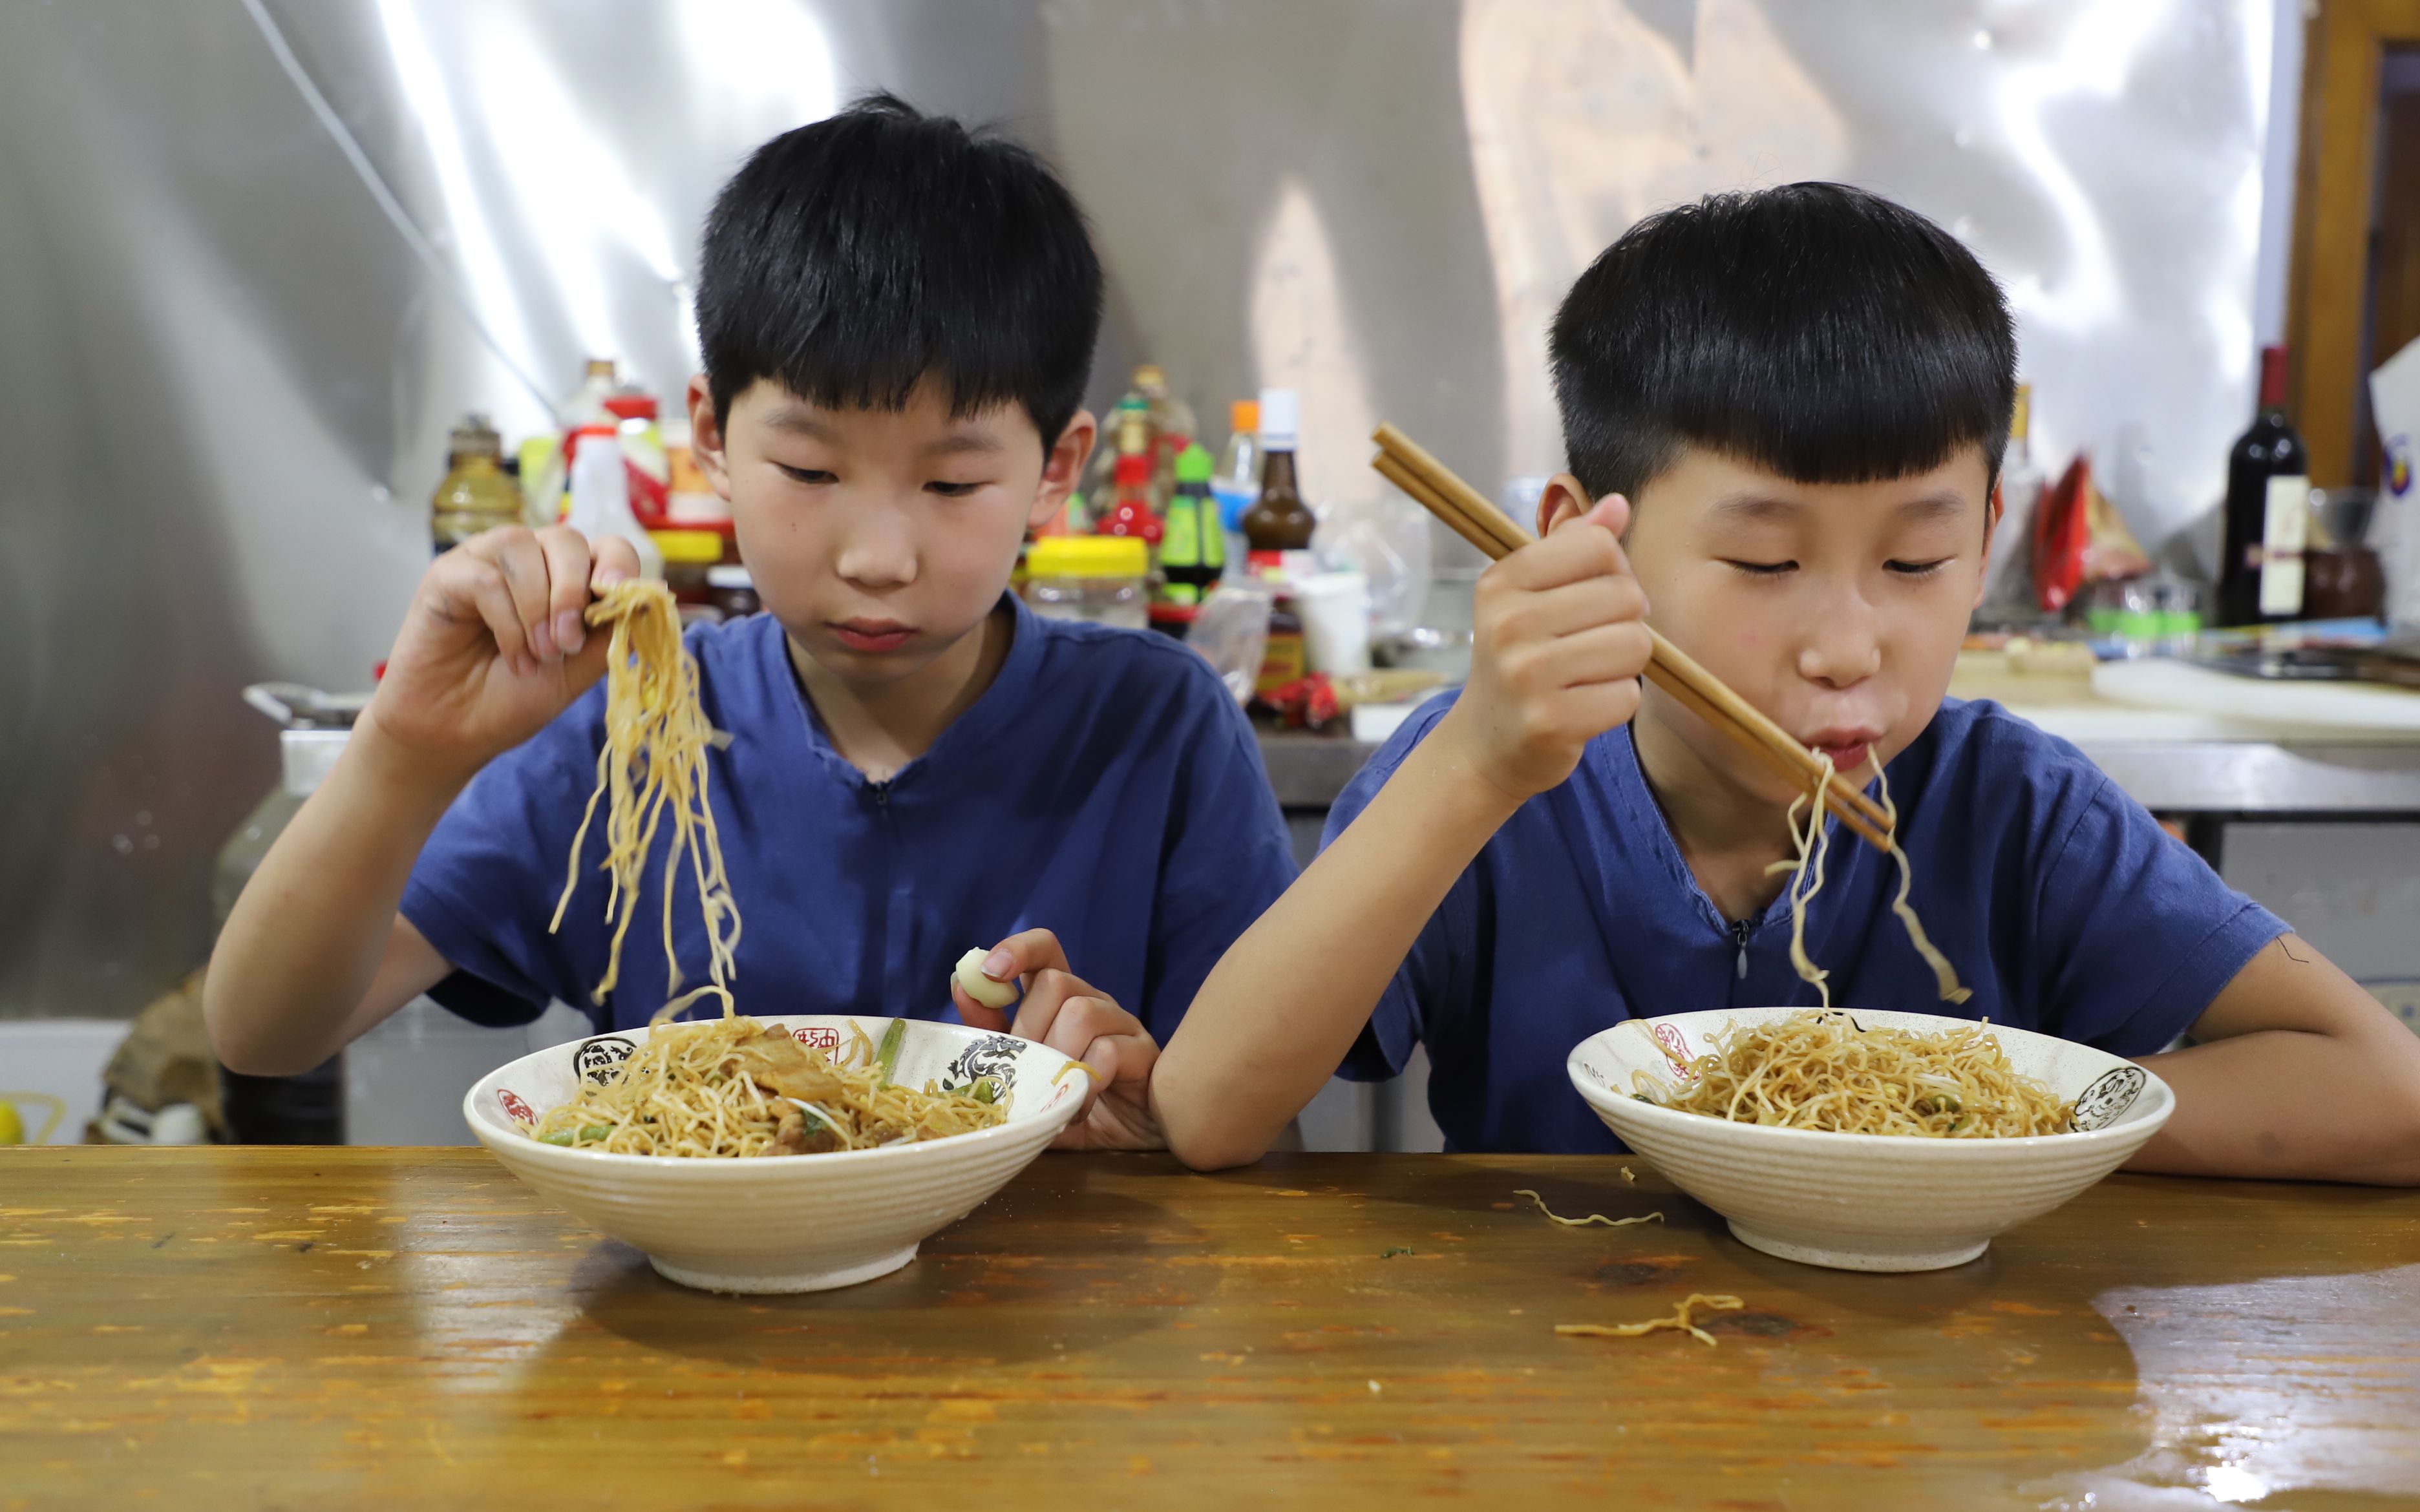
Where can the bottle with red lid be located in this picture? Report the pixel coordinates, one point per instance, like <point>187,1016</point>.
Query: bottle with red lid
<point>1130,512</point>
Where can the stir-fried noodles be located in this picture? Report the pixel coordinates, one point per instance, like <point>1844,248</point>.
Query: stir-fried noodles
<point>1818,1070</point>
<point>732,1087</point>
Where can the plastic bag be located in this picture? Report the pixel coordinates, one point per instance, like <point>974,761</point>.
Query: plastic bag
<point>2080,539</point>
<point>1232,632</point>
<point>1386,539</point>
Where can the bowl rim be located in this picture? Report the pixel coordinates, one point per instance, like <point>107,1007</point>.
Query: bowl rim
<point>1906,1146</point>
<point>483,1090</point>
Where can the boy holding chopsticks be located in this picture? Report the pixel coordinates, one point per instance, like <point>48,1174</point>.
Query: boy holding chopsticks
<point>1785,412</point>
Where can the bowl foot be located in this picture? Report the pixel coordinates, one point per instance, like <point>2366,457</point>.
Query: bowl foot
<point>775,1277</point>
<point>1865,1258</point>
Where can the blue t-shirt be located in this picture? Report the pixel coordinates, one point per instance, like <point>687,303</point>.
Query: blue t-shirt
<point>1105,787</point>
<point>2062,903</point>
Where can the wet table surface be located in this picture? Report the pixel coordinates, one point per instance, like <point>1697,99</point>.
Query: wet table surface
<point>414,1328</point>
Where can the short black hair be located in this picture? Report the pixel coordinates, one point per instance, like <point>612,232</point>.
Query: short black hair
<point>1816,330</point>
<point>851,259</point>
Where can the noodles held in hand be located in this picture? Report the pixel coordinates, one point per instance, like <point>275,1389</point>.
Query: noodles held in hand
<point>1821,1070</point>
<point>653,768</point>
<point>732,1087</point>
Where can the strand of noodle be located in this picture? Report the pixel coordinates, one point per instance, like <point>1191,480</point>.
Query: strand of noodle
<point>1815,843</point>
<point>1945,976</point>
<point>1679,1320</point>
<point>1591,1218</point>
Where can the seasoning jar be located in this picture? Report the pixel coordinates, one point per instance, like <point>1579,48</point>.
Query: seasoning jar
<point>1103,579</point>
<point>689,556</point>
<point>733,590</point>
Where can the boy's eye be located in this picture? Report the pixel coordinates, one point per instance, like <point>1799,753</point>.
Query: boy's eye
<point>1761,569</point>
<point>813,475</point>
<point>951,490</point>
<point>1918,569</point>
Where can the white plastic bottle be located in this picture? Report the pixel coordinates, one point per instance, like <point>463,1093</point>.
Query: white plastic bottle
<point>600,497</point>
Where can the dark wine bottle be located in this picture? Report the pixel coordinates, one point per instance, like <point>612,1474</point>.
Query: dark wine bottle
<point>2267,511</point>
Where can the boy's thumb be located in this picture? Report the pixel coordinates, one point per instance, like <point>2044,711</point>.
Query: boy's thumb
<point>1612,512</point>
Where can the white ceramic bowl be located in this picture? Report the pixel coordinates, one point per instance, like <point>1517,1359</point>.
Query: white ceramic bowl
<point>1869,1202</point>
<point>796,1223</point>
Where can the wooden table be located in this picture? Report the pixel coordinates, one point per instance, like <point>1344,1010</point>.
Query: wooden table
<point>337,1328</point>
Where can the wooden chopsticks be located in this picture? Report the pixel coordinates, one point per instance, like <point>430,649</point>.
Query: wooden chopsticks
<point>1471,516</point>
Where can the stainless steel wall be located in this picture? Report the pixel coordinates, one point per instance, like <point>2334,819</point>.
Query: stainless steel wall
<point>256,254</point>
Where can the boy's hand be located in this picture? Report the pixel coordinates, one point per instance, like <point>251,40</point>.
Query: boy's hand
<point>1064,1012</point>
<point>493,646</point>
<point>1561,638</point>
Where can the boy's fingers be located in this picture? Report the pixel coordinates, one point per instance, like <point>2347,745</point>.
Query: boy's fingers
<point>1082,1021</point>
<point>616,562</point>
<point>524,561</point>
<point>1023,953</point>
<point>1571,555</point>
<point>1603,653</point>
<point>568,570</point>
<point>1605,599</point>
<point>975,1015</point>
<point>469,585</point>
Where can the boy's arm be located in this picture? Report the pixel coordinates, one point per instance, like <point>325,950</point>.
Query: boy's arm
<point>1561,638</point>
<point>492,648</point>
<point>2300,1075</point>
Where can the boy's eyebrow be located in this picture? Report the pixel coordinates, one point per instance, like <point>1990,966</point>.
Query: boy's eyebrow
<point>1757,506</point>
<point>1931,506</point>
<point>960,441</point>
<point>797,422</point>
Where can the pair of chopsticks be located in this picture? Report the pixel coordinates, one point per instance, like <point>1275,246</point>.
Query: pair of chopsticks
<point>1409,467</point>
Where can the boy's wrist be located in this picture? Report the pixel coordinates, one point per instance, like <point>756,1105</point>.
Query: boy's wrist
<point>1457,785</point>
<point>420,786</point>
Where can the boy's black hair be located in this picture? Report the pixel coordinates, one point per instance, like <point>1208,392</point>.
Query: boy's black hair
<point>1815,330</point>
<point>850,260</point>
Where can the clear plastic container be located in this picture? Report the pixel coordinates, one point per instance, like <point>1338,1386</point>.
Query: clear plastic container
<point>1103,579</point>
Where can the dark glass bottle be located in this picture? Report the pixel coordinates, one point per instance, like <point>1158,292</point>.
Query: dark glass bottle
<point>1279,520</point>
<point>2267,511</point>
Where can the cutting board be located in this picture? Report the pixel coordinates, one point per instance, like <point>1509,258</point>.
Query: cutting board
<point>2159,683</point>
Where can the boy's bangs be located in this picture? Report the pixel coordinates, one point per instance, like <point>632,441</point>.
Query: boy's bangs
<point>854,260</point>
<point>1815,330</point>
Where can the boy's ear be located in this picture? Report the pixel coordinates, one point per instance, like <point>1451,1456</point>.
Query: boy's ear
<point>1991,511</point>
<point>1566,498</point>
<point>1062,468</point>
<point>705,443</point>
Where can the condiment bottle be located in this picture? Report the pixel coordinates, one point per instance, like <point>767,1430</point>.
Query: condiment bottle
<point>1279,521</point>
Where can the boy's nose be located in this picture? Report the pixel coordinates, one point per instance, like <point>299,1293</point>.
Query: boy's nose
<point>877,551</point>
<point>1847,647</point>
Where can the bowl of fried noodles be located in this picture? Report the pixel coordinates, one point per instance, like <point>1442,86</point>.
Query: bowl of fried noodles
<point>1866,1140</point>
<point>792,1153</point>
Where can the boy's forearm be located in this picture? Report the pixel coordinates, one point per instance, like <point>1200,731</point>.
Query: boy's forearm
<point>304,943</point>
<point>1282,1007</point>
<point>2291,1105</point>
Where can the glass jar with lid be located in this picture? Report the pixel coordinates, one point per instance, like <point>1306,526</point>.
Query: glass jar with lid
<point>1104,579</point>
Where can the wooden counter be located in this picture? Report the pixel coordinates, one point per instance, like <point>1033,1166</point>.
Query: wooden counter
<point>335,1328</point>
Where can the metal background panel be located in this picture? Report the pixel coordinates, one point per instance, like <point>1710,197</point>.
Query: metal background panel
<point>226,367</point>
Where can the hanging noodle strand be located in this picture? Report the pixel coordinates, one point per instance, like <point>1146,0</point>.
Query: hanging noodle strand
<point>653,767</point>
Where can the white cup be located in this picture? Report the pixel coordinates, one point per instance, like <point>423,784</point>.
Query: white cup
<point>1336,621</point>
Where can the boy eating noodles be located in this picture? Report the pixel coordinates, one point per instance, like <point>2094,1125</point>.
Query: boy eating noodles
<point>897,318</point>
<point>1785,412</point>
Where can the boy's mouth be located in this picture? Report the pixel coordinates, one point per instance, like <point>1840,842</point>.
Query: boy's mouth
<point>1848,747</point>
<point>872,635</point>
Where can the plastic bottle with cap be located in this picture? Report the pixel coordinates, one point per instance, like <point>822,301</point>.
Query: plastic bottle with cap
<point>600,497</point>
<point>1193,545</point>
<point>1237,481</point>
